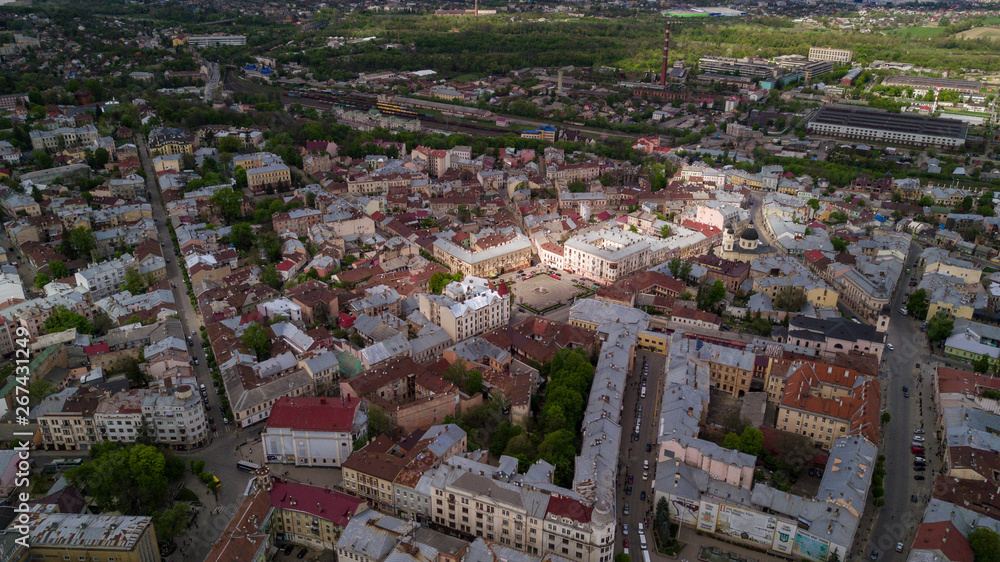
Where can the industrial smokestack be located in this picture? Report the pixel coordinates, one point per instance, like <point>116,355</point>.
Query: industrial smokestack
<point>666,52</point>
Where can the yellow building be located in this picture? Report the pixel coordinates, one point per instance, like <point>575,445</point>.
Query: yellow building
<point>490,256</point>
<point>70,536</point>
<point>166,140</point>
<point>312,516</point>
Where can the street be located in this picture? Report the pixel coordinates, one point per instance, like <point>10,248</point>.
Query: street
<point>220,455</point>
<point>633,452</point>
<point>898,519</point>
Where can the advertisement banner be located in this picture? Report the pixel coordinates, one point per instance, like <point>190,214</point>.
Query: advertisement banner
<point>684,510</point>
<point>746,525</point>
<point>784,537</point>
<point>707,514</point>
<point>810,546</point>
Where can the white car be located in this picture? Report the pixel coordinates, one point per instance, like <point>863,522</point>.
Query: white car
<point>899,547</point>
<point>889,345</point>
<point>918,432</point>
<point>918,438</point>
<point>625,529</point>
<point>645,476</point>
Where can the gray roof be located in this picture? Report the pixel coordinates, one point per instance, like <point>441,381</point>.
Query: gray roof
<point>372,534</point>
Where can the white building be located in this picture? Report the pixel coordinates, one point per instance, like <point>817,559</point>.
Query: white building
<point>606,255</point>
<point>467,308</point>
<point>175,418</point>
<point>105,278</point>
<point>70,136</point>
<point>311,431</point>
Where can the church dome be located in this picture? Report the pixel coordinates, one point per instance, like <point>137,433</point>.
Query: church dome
<point>749,234</point>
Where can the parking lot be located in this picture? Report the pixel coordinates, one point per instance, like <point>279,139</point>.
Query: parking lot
<point>543,290</point>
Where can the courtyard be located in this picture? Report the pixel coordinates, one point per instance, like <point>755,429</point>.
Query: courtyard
<point>544,291</point>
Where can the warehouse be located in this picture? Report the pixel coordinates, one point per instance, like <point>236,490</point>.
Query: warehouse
<point>891,128</point>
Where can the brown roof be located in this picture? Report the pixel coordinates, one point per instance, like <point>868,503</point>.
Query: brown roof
<point>945,537</point>
<point>243,536</point>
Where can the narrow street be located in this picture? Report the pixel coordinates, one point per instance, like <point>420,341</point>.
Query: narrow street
<point>898,519</point>
<point>633,452</point>
<point>220,455</point>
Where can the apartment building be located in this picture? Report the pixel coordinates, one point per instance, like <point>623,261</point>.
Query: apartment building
<point>824,402</point>
<point>254,386</point>
<point>128,187</point>
<point>71,536</point>
<point>731,370</point>
<point>369,472</point>
<point>105,278</point>
<point>585,171</point>
<point>62,137</point>
<point>314,431</point>
<point>523,512</point>
<point>829,54</point>
<point>173,417</point>
<point>267,177</point>
<point>490,255</point>
<point>67,419</point>
<point>467,308</point>
<point>375,184</point>
<point>311,516</point>
<point>438,161</point>
<point>297,221</point>
<point>604,256</point>
<point>167,140</point>
<point>832,337</point>
<point>413,397</point>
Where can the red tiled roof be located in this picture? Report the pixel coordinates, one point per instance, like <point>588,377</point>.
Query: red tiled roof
<point>345,320</point>
<point>335,507</point>
<point>813,255</point>
<point>286,265</point>
<point>97,349</point>
<point>314,413</point>
<point>945,537</point>
<point>561,506</point>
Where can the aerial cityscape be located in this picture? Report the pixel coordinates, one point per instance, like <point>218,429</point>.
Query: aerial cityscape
<point>533,281</point>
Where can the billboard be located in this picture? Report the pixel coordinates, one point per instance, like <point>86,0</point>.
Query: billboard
<point>684,510</point>
<point>810,546</point>
<point>784,537</point>
<point>746,525</point>
<point>707,514</point>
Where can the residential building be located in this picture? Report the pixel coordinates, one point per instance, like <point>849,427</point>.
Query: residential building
<point>297,221</point>
<point>412,396</point>
<point>270,176</point>
<point>727,465</point>
<point>167,140</point>
<point>67,419</point>
<point>106,278</point>
<point>249,536</point>
<point>57,139</point>
<point>467,308</point>
<point>488,256</point>
<point>832,337</point>
<point>824,402</point>
<point>311,516</point>
<point>829,54</point>
<point>731,370</point>
<point>84,536</point>
<point>605,256</point>
<point>312,431</point>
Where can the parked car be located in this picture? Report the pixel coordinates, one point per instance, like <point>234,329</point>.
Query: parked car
<point>642,495</point>
<point>899,547</point>
<point>918,431</point>
<point>288,549</point>
<point>874,555</point>
<point>913,498</point>
<point>919,477</point>
<point>625,529</point>
<point>302,553</point>
<point>628,490</point>
<point>917,449</point>
<point>918,438</point>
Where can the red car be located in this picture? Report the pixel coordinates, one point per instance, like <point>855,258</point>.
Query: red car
<point>917,450</point>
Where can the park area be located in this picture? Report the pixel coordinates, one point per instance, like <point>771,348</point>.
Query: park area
<point>543,292</point>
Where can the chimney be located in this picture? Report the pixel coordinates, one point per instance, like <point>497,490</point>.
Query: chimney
<point>666,52</point>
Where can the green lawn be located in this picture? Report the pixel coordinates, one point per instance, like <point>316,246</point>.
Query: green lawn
<point>918,32</point>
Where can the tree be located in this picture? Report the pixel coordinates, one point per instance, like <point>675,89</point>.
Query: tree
<point>886,417</point>
<point>463,214</point>
<point>790,299</point>
<point>473,382</point>
<point>229,203</point>
<point>129,365</point>
<point>559,449</point>
<point>41,280</point>
<point>255,338</point>
<point>917,305</point>
<point>814,203</point>
<point>985,545</point>
<point>134,282</point>
<point>188,161</point>
<point>101,158</point>
<point>82,241</point>
<point>102,323</point>
<point>40,390</point>
<point>171,522</point>
<point>679,269</point>
<point>129,479</point>
<point>749,442</point>
<point>709,294</point>
<point>270,277</point>
<point>42,159</point>
<point>197,466</point>
<point>230,144</point>
<point>981,365</point>
<point>622,557</point>
<point>240,175</point>
<point>378,423</point>
<point>502,436</point>
<point>839,244</point>
<point>940,327</point>
<point>439,280</point>
<point>58,269</point>
<point>241,236</point>
<point>576,186</point>
<point>664,233</point>
<point>357,340</point>
<point>834,556</point>
<point>63,319</point>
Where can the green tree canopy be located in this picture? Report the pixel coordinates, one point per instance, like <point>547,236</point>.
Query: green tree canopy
<point>709,294</point>
<point>270,277</point>
<point>58,269</point>
<point>255,337</point>
<point>134,283</point>
<point>131,479</point>
<point>241,236</point>
<point>940,327</point>
<point>439,280</point>
<point>63,319</point>
<point>917,305</point>
<point>41,280</point>
<point>229,203</point>
<point>839,244</point>
<point>985,545</point>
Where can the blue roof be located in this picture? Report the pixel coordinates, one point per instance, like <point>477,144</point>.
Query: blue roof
<point>880,218</point>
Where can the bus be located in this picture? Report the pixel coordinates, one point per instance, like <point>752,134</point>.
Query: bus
<point>63,464</point>
<point>246,466</point>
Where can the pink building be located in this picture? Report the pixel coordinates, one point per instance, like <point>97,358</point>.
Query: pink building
<point>726,465</point>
